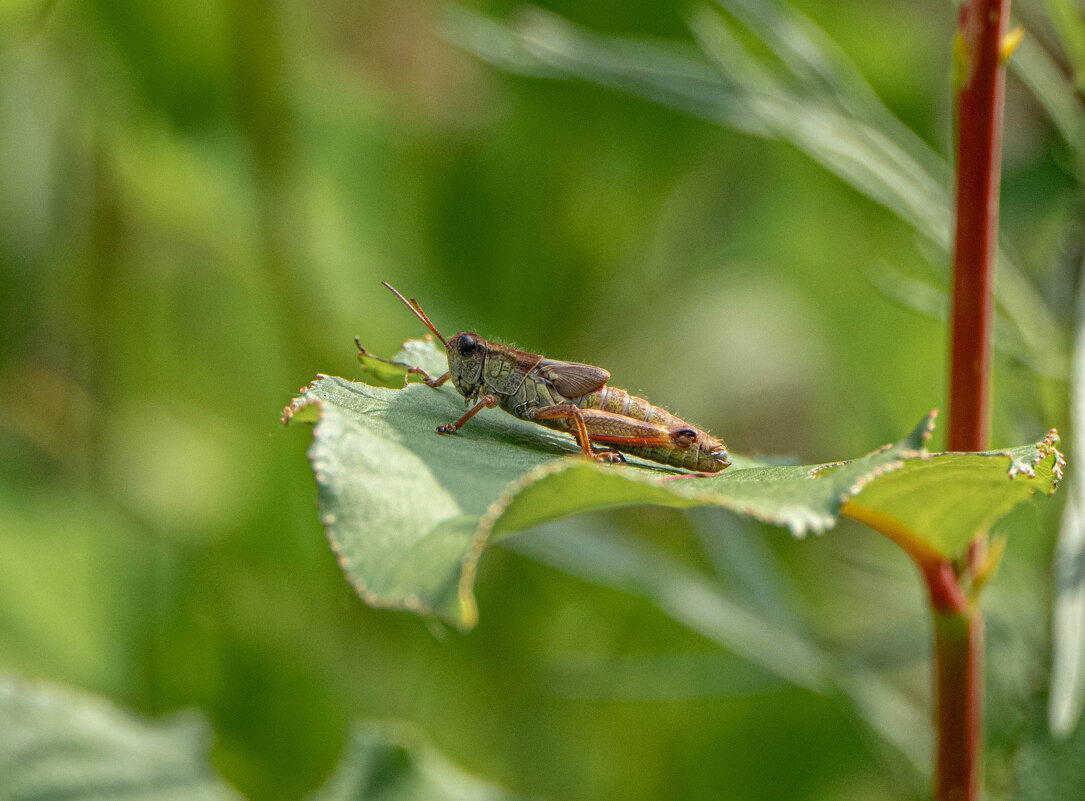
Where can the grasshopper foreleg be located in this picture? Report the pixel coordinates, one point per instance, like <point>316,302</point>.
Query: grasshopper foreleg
<point>485,402</point>
<point>430,382</point>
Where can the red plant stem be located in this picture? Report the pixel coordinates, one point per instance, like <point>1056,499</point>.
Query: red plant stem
<point>958,659</point>
<point>979,146</point>
<point>958,623</point>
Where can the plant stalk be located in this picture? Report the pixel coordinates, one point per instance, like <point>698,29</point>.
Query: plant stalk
<point>958,659</point>
<point>981,91</point>
<point>958,621</point>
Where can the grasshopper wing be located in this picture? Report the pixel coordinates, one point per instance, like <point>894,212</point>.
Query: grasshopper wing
<point>572,379</point>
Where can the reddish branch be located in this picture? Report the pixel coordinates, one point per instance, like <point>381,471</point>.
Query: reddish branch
<point>958,621</point>
<point>979,146</point>
<point>958,682</point>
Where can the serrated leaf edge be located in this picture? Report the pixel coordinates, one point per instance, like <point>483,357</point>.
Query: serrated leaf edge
<point>489,519</point>
<point>798,529</point>
<point>410,602</point>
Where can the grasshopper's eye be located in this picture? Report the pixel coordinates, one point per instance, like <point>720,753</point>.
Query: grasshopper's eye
<point>468,344</point>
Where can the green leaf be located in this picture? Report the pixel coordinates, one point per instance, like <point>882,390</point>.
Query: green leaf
<point>410,513</point>
<point>58,744</point>
<point>945,498</point>
<point>392,762</point>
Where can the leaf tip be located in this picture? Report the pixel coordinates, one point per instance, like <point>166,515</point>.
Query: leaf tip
<point>304,407</point>
<point>926,427</point>
<point>1047,448</point>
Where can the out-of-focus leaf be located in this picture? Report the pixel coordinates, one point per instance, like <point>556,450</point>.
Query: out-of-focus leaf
<point>742,560</point>
<point>1068,634</point>
<point>671,677</point>
<point>1055,92</point>
<point>603,557</point>
<point>823,107</point>
<point>57,744</point>
<point>687,597</point>
<point>409,513</point>
<point>1047,768</point>
<point>1068,637</point>
<point>933,301</point>
<point>672,74</point>
<point>1069,22</point>
<point>392,762</point>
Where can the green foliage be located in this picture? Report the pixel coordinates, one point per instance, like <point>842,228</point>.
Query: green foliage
<point>200,201</point>
<point>767,70</point>
<point>58,744</point>
<point>393,762</point>
<point>409,513</point>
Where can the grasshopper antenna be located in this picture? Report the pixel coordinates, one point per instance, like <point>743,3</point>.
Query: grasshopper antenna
<point>412,304</point>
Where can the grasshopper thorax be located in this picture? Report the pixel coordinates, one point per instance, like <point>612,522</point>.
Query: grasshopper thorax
<point>466,354</point>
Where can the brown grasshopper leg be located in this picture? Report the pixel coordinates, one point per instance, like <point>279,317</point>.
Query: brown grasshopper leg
<point>432,382</point>
<point>566,411</point>
<point>608,428</point>
<point>616,429</point>
<point>486,401</point>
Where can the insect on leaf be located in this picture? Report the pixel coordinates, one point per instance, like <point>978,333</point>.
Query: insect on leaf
<point>410,513</point>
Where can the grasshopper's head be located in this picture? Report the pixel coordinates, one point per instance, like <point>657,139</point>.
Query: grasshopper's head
<point>466,353</point>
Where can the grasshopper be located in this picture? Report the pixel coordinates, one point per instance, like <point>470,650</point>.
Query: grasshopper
<point>570,397</point>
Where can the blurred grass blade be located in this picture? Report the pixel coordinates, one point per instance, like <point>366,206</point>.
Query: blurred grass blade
<point>1068,18</point>
<point>410,513</point>
<point>490,41</point>
<point>831,113</point>
<point>394,762</point>
<point>589,551</point>
<point>813,56</point>
<point>672,74</point>
<point>1068,662</point>
<point>56,744</point>
<point>1056,94</point>
<point>865,156</point>
<point>743,559</point>
<point>667,677</point>
<point>933,302</point>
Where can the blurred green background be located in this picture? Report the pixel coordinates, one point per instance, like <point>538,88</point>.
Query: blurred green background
<point>197,204</point>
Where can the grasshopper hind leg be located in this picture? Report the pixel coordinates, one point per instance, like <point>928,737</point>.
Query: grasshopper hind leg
<point>566,411</point>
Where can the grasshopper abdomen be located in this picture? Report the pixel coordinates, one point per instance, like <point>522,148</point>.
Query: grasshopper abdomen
<point>703,453</point>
